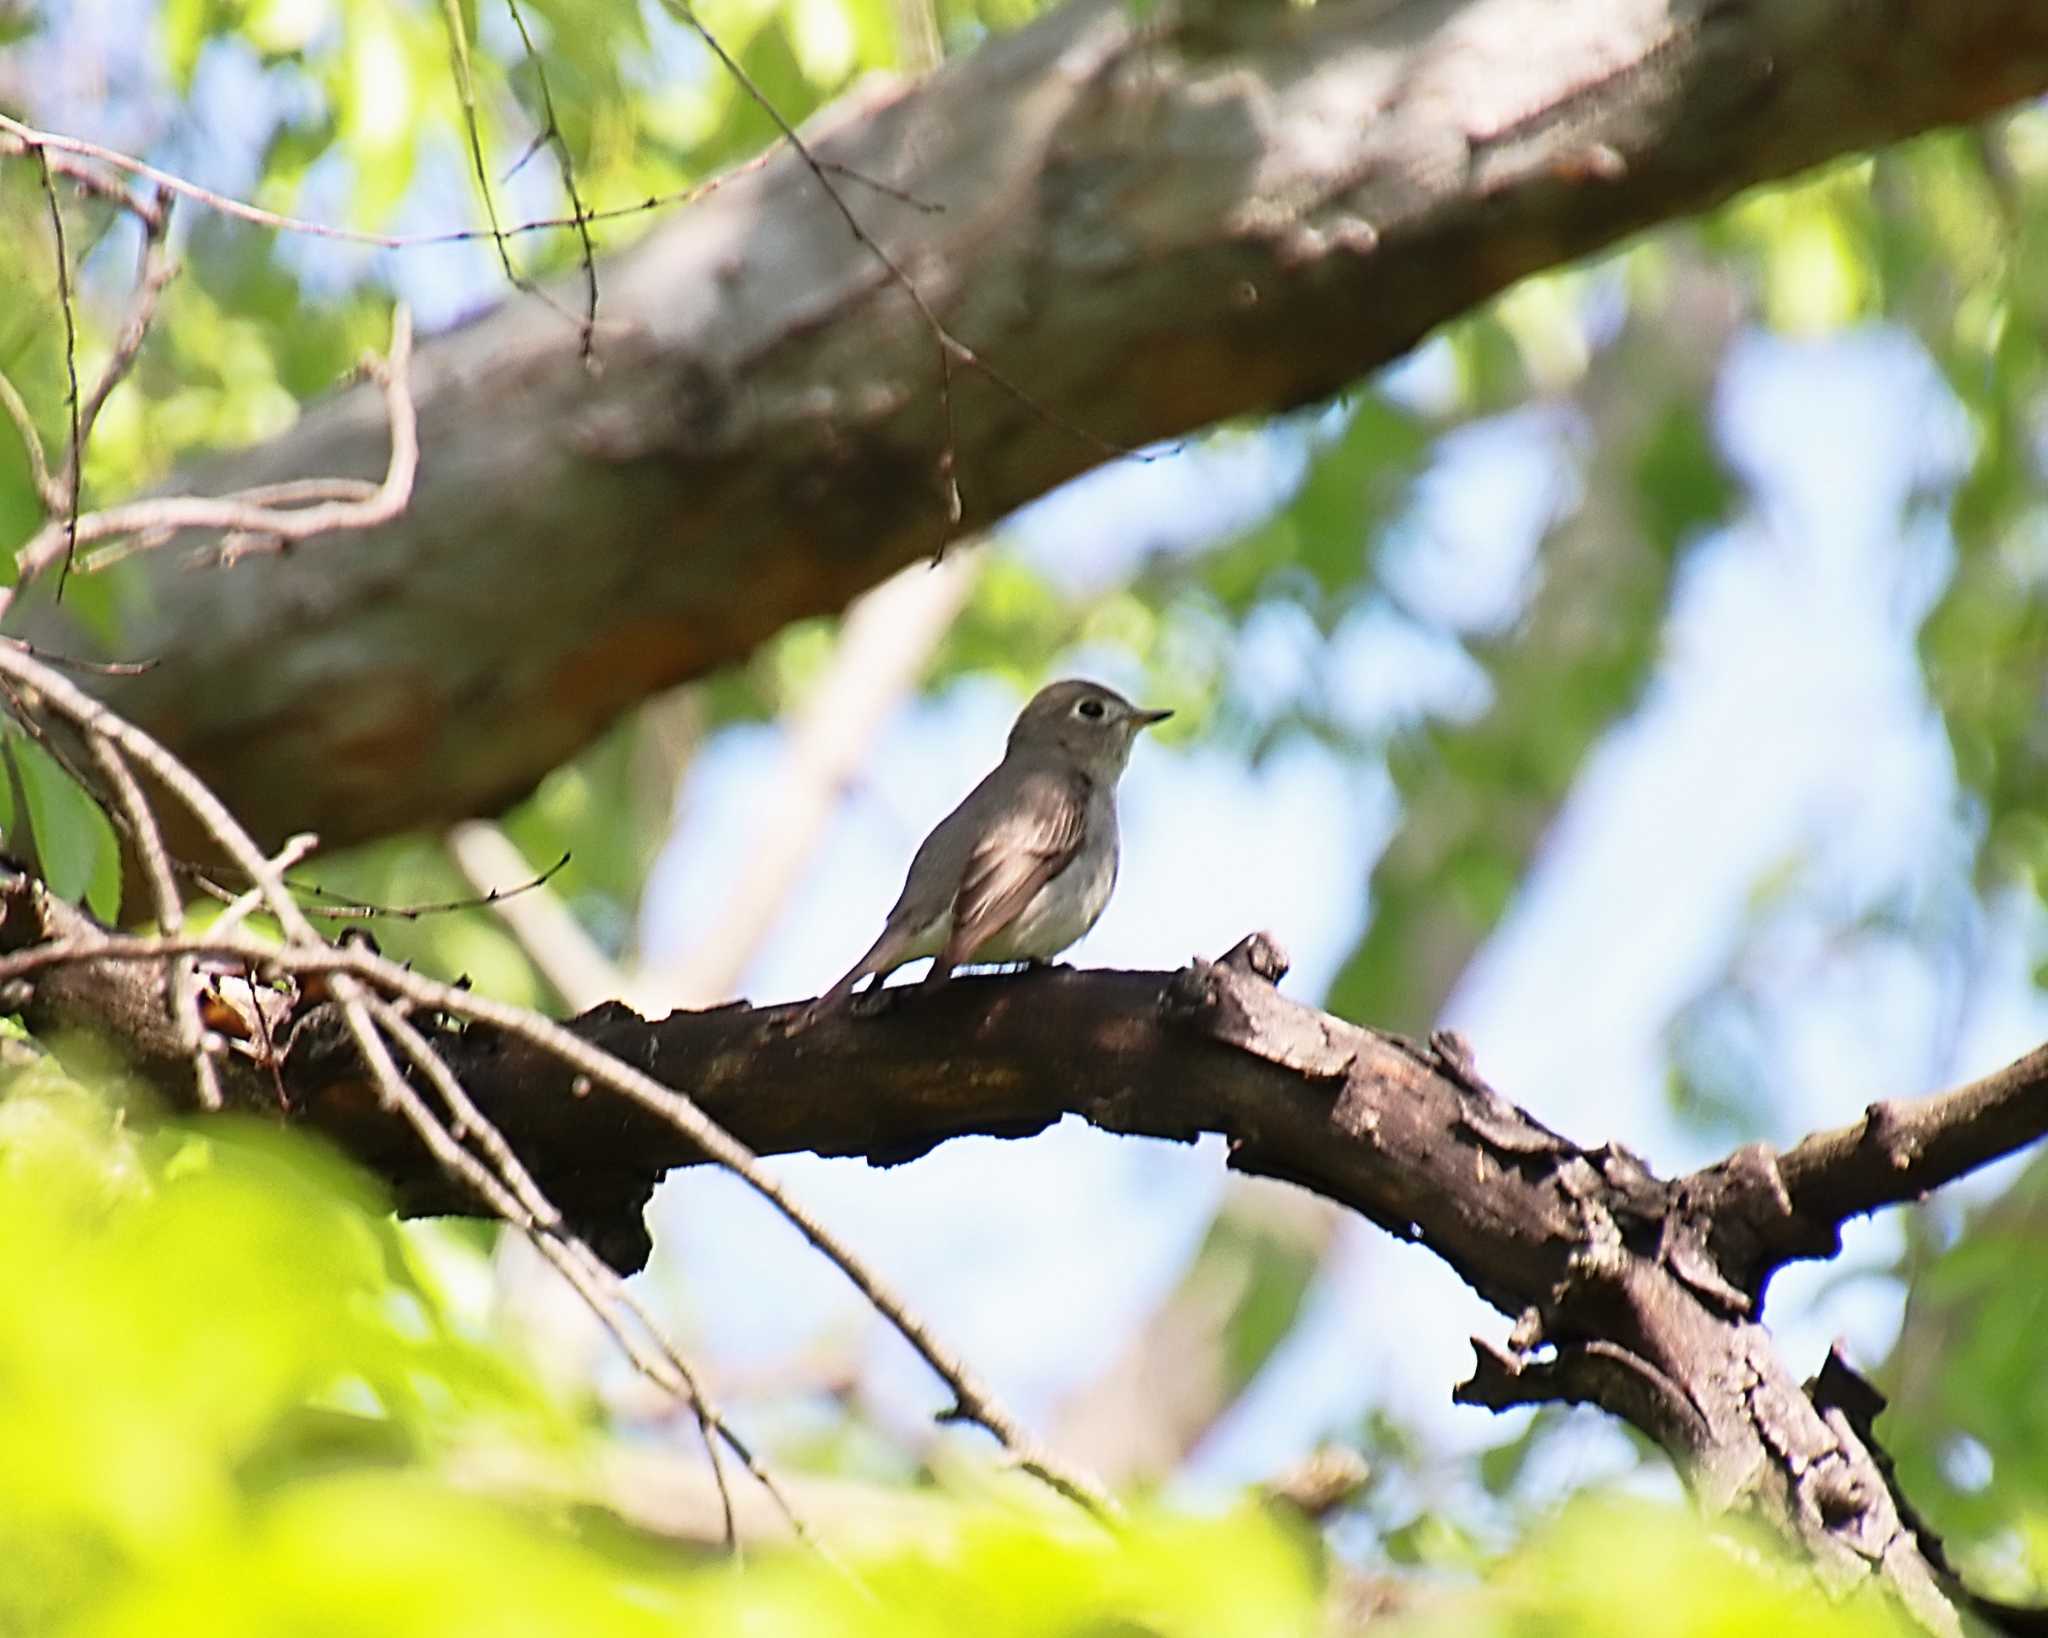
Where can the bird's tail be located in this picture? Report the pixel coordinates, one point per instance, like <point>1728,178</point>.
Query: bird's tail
<point>877,960</point>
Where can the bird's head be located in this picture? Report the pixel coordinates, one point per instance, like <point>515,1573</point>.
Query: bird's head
<point>1084,722</point>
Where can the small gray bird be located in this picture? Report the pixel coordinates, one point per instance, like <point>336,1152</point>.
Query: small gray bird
<point>1022,867</point>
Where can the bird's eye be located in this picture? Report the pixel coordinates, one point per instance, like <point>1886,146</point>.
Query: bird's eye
<point>1089,708</point>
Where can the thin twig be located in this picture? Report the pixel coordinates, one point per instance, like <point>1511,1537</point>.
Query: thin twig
<point>973,1400</point>
<point>513,1196</point>
<point>598,1283</point>
<point>92,668</point>
<point>566,164</point>
<point>170,916</point>
<point>75,455</point>
<point>32,140</point>
<point>944,339</point>
<point>105,188</point>
<point>950,347</point>
<point>347,908</point>
<point>544,926</point>
<point>157,270</point>
<point>165,515</point>
<point>465,90</point>
<point>344,906</point>
<point>47,489</point>
<point>244,905</point>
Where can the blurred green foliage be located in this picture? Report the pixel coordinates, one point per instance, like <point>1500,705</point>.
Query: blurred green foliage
<point>1969,1399</point>
<point>233,1401</point>
<point>1638,1569</point>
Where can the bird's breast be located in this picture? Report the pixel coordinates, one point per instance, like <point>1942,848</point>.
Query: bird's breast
<point>1061,911</point>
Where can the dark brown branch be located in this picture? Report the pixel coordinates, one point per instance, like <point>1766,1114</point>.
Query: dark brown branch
<point>1839,1390</point>
<point>1614,1277</point>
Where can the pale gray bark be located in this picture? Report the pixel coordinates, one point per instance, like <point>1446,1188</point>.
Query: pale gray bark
<point>1147,226</point>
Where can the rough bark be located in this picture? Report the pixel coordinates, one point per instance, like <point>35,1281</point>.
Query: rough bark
<point>1147,225</point>
<point>1638,1294</point>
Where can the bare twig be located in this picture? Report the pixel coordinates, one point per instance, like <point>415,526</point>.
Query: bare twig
<point>245,905</point>
<point>27,139</point>
<point>48,491</point>
<point>108,189</point>
<point>949,346</point>
<point>465,90</point>
<point>565,162</point>
<point>170,915</point>
<point>91,668</point>
<point>601,1288</point>
<point>164,516</point>
<point>62,494</point>
<point>157,270</point>
<point>513,887</point>
<point>74,456</point>
<point>974,1402</point>
<point>513,1195</point>
<point>547,930</point>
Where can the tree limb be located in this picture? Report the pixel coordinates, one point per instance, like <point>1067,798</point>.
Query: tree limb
<point>1148,225</point>
<point>1614,1277</point>
<point>1901,1149</point>
<point>1768,1209</point>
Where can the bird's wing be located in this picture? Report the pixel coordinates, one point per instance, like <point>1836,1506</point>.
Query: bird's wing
<point>1015,857</point>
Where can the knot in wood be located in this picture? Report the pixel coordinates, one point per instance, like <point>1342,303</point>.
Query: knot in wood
<point>1260,954</point>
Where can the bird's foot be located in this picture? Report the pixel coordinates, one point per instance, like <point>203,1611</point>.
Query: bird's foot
<point>869,1003</point>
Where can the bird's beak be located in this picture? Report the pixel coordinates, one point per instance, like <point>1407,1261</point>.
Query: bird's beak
<point>1147,718</point>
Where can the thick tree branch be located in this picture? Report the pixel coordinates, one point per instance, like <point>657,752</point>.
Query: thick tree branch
<point>1148,224</point>
<point>1616,1279</point>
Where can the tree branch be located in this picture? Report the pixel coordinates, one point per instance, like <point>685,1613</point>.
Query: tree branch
<point>351,981</point>
<point>1148,225</point>
<point>1901,1149</point>
<point>1767,1209</point>
<point>1613,1276</point>
<point>267,517</point>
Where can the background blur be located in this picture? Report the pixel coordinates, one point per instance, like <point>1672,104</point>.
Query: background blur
<point>1647,677</point>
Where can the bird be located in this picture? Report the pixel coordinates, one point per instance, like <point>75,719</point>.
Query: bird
<point>1023,867</point>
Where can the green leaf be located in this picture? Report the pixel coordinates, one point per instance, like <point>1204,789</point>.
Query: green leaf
<point>79,853</point>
